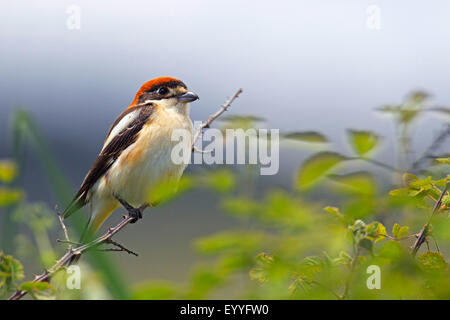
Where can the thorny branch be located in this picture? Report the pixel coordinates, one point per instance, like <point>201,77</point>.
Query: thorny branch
<point>106,238</point>
<point>63,226</point>
<point>119,247</point>
<point>426,228</point>
<point>74,252</point>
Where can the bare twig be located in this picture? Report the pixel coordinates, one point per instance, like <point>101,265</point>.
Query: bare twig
<point>398,239</point>
<point>378,163</point>
<point>63,226</point>
<point>119,247</point>
<point>208,122</point>
<point>69,242</point>
<point>426,228</point>
<point>194,148</point>
<point>428,154</point>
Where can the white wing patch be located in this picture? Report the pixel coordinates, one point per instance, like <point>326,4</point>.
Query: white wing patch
<point>123,123</point>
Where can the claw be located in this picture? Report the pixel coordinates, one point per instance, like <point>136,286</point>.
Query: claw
<point>135,213</point>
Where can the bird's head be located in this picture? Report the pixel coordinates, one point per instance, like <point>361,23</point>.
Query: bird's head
<point>164,91</point>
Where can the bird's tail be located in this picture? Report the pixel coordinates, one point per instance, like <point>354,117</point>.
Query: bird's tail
<point>77,203</point>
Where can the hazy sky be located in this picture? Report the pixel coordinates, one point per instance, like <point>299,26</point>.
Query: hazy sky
<point>303,65</point>
<point>304,58</point>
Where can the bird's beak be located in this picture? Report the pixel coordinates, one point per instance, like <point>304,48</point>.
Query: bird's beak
<point>188,97</point>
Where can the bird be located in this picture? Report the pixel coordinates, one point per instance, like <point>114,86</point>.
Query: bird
<point>136,156</point>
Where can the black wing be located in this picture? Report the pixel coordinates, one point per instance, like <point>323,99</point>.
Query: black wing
<point>109,155</point>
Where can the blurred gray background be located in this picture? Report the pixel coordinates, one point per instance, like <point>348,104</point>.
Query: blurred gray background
<point>303,65</point>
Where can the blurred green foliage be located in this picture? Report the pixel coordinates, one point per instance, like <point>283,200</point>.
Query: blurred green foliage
<point>316,240</point>
<point>19,216</point>
<point>11,271</point>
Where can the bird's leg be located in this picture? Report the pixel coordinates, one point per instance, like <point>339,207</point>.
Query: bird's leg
<point>135,213</point>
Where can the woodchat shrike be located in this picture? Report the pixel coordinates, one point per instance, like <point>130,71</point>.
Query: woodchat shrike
<point>136,154</point>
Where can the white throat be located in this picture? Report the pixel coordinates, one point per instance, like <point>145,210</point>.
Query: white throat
<point>173,104</point>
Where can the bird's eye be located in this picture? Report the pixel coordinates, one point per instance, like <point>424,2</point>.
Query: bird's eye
<point>163,90</point>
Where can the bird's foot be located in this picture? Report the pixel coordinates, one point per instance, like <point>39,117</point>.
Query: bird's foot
<point>135,213</point>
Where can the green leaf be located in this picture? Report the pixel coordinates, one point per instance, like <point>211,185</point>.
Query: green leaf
<point>11,271</point>
<point>234,262</point>
<point>389,109</point>
<point>402,192</point>
<point>403,232</point>
<point>362,141</point>
<point>395,230</point>
<point>446,201</point>
<point>381,231</point>
<point>421,183</point>
<point>409,178</point>
<point>9,196</point>
<point>306,136</point>
<point>39,290</point>
<point>392,250</point>
<point>372,230</point>
<point>315,168</point>
<point>8,170</point>
<point>417,97</point>
<point>334,211</point>
<point>399,232</point>
<point>343,259</point>
<point>433,261</point>
<point>221,180</point>
<point>360,182</point>
<point>241,206</point>
<point>166,191</point>
<point>443,160</point>
<point>442,182</point>
<point>311,266</point>
<point>259,273</point>
<point>407,115</point>
<point>240,121</point>
<point>264,258</point>
<point>358,231</point>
